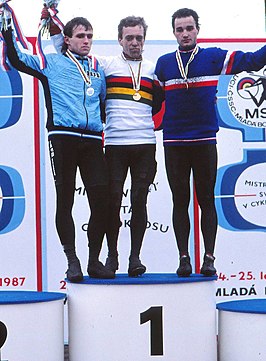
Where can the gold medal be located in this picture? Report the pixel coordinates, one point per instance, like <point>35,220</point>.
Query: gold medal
<point>136,96</point>
<point>136,78</point>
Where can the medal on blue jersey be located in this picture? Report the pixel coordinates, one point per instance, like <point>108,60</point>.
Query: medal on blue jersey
<point>86,76</point>
<point>90,91</point>
<point>184,71</point>
<point>135,79</point>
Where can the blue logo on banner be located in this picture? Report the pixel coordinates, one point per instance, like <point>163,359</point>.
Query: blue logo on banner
<point>241,187</point>
<point>12,199</point>
<point>238,211</point>
<point>237,108</point>
<point>10,98</point>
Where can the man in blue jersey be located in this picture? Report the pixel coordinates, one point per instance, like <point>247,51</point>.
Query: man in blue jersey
<point>74,87</point>
<point>190,77</point>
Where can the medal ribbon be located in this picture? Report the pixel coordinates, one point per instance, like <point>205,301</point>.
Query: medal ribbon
<point>85,76</point>
<point>135,81</point>
<point>53,13</point>
<point>21,37</point>
<point>39,50</point>
<point>3,62</point>
<point>184,71</point>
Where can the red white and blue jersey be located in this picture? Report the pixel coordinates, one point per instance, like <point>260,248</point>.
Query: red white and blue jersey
<point>190,104</point>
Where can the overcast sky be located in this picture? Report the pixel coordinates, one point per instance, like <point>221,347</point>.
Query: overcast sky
<point>218,18</point>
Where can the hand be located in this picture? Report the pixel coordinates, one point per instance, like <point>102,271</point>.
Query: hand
<point>45,13</point>
<point>54,29</point>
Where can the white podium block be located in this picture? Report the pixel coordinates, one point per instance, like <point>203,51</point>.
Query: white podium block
<point>35,325</point>
<point>155,316</point>
<point>242,327</point>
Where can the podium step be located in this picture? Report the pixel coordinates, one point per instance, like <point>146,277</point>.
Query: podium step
<point>137,319</point>
<point>241,330</point>
<point>35,325</point>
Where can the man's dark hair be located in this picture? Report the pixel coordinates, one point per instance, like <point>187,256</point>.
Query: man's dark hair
<point>71,25</point>
<point>131,21</point>
<point>184,13</point>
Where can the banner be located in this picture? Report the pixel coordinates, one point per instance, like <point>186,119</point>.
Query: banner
<point>31,254</point>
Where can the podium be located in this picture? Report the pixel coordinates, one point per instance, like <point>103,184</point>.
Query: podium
<point>242,326</point>
<point>155,316</point>
<point>35,325</point>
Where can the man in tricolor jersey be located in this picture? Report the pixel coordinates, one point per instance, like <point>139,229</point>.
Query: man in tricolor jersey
<point>189,77</point>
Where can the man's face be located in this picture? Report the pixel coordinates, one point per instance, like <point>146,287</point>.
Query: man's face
<point>132,41</point>
<point>186,32</point>
<point>81,40</point>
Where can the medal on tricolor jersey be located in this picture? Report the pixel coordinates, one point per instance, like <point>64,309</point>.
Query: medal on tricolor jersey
<point>135,79</point>
<point>86,77</point>
<point>184,71</point>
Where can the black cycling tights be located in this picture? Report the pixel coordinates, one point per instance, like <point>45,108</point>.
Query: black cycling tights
<point>202,160</point>
<point>97,198</point>
<point>68,153</point>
